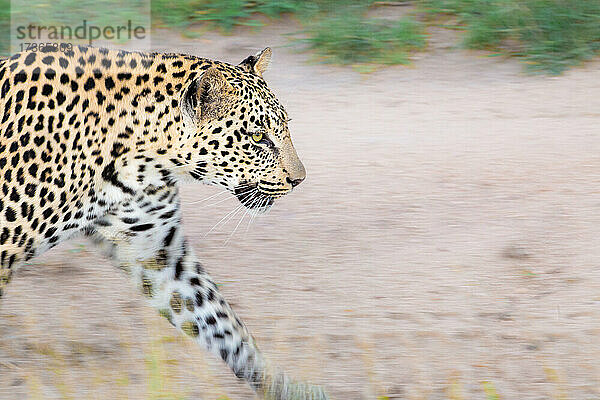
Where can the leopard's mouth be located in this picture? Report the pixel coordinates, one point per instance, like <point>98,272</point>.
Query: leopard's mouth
<point>252,198</point>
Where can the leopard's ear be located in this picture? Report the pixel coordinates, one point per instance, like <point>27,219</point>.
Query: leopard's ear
<point>258,63</point>
<point>207,97</point>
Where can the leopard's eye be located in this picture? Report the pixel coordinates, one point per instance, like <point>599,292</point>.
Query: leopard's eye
<point>257,136</point>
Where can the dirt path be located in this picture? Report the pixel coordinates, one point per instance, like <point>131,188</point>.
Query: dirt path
<point>445,244</point>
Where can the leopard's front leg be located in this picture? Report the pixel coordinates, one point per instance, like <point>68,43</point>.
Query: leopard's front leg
<point>149,244</point>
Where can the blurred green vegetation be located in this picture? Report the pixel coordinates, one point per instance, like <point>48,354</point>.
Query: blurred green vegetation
<point>73,12</point>
<point>338,31</point>
<point>549,35</point>
<point>349,38</point>
<point>70,13</point>
<point>4,26</point>
<point>228,13</point>
<point>224,14</point>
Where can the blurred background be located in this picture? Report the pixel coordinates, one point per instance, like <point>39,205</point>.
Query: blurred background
<point>445,244</point>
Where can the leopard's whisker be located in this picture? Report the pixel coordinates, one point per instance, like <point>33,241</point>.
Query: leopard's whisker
<point>238,209</point>
<point>249,223</point>
<point>262,203</point>
<point>222,200</point>
<point>231,214</point>
<point>252,213</point>
<point>210,197</point>
<point>222,220</point>
<point>236,227</point>
<point>269,210</point>
<point>248,190</point>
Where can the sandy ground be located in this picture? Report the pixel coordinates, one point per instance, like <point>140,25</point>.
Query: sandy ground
<point>444,245</point>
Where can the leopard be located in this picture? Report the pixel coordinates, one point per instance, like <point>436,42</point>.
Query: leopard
<point>97,142</point>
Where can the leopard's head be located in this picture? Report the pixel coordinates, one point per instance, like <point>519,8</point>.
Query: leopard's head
<point>243,142</point>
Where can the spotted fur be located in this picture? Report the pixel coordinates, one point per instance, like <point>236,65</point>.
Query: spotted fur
<point>96,141</point>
